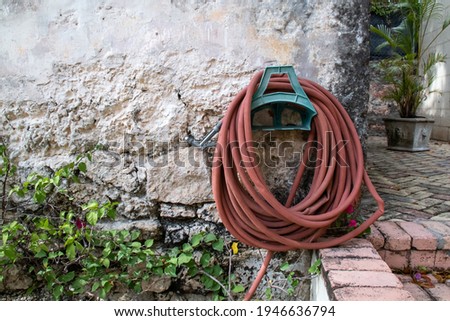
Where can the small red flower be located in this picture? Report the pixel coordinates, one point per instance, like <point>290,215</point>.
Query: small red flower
<point>352,223</point>
<point>80,223</point>
<point>350,209</point>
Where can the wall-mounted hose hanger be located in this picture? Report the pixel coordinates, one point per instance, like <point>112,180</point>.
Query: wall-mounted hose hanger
<point>279,110</point>
<point>247,208</point>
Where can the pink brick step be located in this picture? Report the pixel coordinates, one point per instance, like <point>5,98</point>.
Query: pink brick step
<point>360,269</point>
<point>412,244</point>
<point>355,271</point>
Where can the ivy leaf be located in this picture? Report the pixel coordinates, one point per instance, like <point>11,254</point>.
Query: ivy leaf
<point>70,252</point>
<point>171,270</point>
<point>41,254</point>
<point>92,205</point>
<point>82,167</point>
<point>193,271</point>
<point>39,196</point>
<point>92,217</point>
<point>217,270</point>
<point>148,243</point>
<point>69,241</point>
<point>67,277</point>
<point>106,251</point>
<point>204,260</point>
<point>158,271</point>
<point>137,287</point>
<point>315,267</point>
<point>136,245</point>
<point>102,293</point>
<point>187,248</point>
<point>207,281</point>
<point>106,263</point>
<point>284,266</point>
<point>173,260</point>
<point>184,258</point>
<point>196,239</point>
<point>210,237</point>
<point>218,245</point>
<point>111,213</point>
<point>135,234</point>
<point>78,285</point>
<point>56,180</point>
<point>95,286</point>
<point>57,291</point>
<point>238,289</point>
<point>215,287</point>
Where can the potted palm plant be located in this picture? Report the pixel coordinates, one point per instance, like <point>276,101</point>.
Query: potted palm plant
<point>409,72</point>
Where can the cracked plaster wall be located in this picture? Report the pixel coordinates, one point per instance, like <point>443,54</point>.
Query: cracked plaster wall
<point>135,77</point>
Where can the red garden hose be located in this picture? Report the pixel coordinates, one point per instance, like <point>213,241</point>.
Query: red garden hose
<point>248,209</point>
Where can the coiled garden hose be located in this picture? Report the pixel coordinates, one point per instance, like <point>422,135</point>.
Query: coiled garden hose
<point>248,209</point>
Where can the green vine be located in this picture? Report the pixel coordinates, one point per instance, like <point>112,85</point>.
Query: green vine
<point>7,169</point>
<point>62,249</point>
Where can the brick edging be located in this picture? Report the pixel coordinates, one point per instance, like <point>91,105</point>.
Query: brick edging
<point>424,243</point>
<point>355,271</point>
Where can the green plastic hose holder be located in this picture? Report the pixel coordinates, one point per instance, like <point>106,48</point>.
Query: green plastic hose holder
<point>281,110</point>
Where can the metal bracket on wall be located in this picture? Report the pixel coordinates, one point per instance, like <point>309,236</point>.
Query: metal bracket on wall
<point>205,142</point>
<point>275,104</point>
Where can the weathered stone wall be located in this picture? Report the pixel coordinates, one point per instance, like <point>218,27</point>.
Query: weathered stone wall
<point>136,77</point>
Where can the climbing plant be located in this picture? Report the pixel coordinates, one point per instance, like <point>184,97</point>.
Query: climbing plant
<point>62,249</point>
<point>7,169</point>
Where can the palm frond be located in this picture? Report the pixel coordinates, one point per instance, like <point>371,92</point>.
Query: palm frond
<point>445,24</point>
<point>384,32</point>
<point>432,10</point>
<point>409,83</point>
<point>433,59</point>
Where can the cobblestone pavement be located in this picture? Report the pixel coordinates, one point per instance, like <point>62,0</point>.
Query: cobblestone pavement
<point>414,186</point>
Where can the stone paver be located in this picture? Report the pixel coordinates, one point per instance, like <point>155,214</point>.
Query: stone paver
<point>440,292</point>
<point>417,292</point>
<point>413,185</point>
<point>437,291</point>
<point>415,228</point>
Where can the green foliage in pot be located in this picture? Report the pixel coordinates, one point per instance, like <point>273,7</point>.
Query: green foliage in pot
<point>410,70</point>
<point>383,8</point>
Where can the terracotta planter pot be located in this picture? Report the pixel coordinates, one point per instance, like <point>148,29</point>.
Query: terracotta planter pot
<point>408,134</point>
